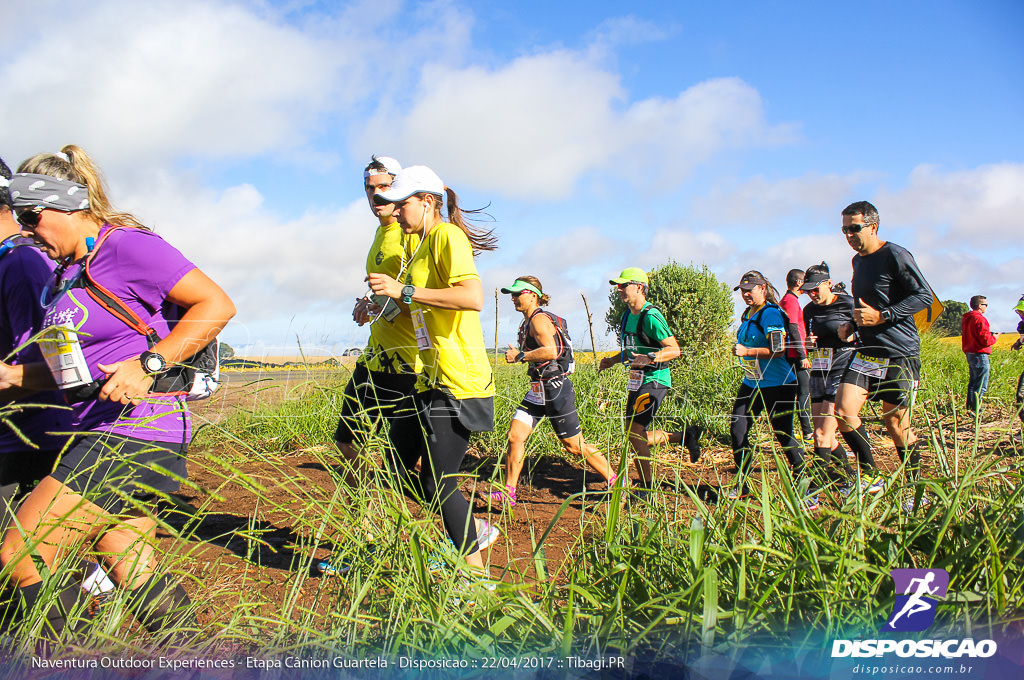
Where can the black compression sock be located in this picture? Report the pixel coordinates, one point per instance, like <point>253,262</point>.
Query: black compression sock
<point>160,604</point>
<point>861,447</point>
<point>55,610</point>
<point>842,460</point>
<point>913,463</point>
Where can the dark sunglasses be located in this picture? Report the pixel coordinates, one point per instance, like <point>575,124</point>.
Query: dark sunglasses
<point>520,292</point>
<point>855,228</point>
<point>624,286</point>
<point>29,217</point>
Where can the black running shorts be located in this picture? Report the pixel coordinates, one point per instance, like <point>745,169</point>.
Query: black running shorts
<point>894,383</point>
<point>371,397</point>
<point>559,406</point>
<point>642,404</point>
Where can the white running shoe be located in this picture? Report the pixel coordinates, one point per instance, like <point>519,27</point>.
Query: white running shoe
<point>486,534</point>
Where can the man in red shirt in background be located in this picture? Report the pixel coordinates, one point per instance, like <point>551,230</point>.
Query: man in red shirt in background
<point>977,341</point>
<point>796,352</point>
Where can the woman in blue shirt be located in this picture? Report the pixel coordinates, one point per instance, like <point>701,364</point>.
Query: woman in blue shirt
<point>769,385</point>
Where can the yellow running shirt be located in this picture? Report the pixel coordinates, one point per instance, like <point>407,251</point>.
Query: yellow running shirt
<point>452,343</point>
<point>392,345</point>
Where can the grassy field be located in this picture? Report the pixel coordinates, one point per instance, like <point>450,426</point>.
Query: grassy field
<point>665,579</point>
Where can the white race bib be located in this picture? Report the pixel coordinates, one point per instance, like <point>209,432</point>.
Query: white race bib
<point>869,366</point>
<point>63,354</point>
<point>636,379</point>
<point>419,327</point>
<point>821,359</point>
<point>536,393</point>
<point>752,367</point>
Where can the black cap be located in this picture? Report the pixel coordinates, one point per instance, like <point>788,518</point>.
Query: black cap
<point>751,280</point>
<point>814,279</point>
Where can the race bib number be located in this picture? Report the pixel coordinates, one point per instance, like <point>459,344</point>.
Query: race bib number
<point>419,327</point>
<point>536,393</point>
<point>636,379</point>
<point>63,353</point>
<point>821,359</point>
<point>752,367</point>
<point>869,366</point>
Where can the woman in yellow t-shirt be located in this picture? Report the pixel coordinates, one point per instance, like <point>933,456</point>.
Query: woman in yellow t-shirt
<point>455,392</point>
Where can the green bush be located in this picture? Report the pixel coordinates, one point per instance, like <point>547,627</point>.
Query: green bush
<point>948,322</point>
<point>696,304</point>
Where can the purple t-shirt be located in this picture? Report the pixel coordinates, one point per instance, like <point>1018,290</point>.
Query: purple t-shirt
<point>24,272</point>
<point>140,268</point>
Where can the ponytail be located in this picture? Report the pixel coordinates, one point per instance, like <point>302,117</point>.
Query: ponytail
<point>74,165</point>
<point>481,239</point>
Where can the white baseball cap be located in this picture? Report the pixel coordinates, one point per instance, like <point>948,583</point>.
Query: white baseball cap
<point>391,166</point>
<point>412,180</point>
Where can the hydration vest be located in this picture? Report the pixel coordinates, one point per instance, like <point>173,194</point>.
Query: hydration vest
<point>564,363</point>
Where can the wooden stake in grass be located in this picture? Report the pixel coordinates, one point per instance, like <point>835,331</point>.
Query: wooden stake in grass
<point>590,322</point>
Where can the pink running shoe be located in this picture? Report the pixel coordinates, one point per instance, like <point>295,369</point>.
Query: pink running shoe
<point>506,496</point>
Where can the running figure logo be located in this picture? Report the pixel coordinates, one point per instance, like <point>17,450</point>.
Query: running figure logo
<point>914,610</point>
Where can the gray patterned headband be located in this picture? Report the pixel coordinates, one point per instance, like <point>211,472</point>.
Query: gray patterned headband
<point>29,190</point>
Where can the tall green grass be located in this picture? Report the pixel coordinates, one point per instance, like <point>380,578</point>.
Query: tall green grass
<point>673,577</point>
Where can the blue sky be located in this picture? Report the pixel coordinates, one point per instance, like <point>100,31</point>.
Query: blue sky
<point>730,134</point>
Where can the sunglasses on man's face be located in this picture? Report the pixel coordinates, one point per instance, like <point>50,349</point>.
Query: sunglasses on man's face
<point>29,217</point>
<point>854,228</point>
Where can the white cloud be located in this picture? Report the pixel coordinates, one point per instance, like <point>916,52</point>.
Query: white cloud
<point>701,247</point>
<point>273,268</point>
<point>535,126</point>
<point>812,196</point>
<point>166,78</point>
<point>984,206</point>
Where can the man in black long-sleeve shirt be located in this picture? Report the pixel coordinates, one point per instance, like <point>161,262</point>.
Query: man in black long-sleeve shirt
<point>888,289</point>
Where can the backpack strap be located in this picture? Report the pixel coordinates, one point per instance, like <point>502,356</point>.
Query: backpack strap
<point>645,339</point>
<point>111,302</point>
<point>756,319</point>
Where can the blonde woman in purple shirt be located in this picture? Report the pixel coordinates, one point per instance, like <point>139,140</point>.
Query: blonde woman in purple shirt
<point>129,443</point>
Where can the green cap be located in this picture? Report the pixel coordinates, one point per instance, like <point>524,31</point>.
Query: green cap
<point>1019,307</point>
<point>631,275</point>
<point>519,286</point>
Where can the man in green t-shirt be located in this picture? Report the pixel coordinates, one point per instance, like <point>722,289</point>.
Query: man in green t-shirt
<point>647,345</point>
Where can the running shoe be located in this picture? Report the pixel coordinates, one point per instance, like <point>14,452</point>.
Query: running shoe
<point>336,566</point>
<point>505,496</point>
<point>467,590</point>
<point>908,505</point>
<point>806,438</point>
<point>486,534</point>
<point>845,490</point>
<point>96,602</point>
<point>812,502</point>
<point>643,495</point>
<point>333,567</point>
<point>691,440</point>
<point>872,485</point>
<point>735,493</point>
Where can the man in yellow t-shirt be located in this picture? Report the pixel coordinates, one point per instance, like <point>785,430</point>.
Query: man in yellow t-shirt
<point>382,383</point>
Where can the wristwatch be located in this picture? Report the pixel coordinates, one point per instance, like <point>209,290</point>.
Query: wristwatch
<point>407,292</point>
<point>886,315</point>
<point>152,363</point>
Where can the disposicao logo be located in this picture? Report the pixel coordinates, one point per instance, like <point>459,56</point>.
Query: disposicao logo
<point>914,610</point>
<point>918,591</point>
